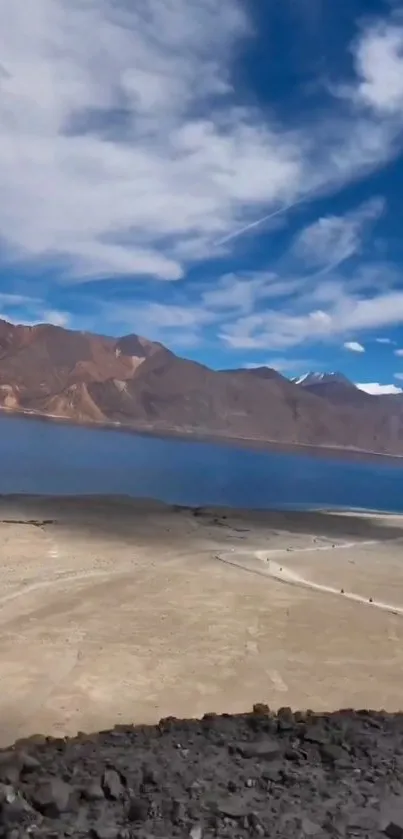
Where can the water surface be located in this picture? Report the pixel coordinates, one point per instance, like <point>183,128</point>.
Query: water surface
<point>59,459</point>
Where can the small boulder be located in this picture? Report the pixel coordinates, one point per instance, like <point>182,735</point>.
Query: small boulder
<point>267,749</point>
<point>52,797</point>
<point>234,807</point>
<point>391,817</point>
<point>310,828</point>
<point>93,791</point>
<point>137,810</point>
<point>105,831</point>
<point>112,784</point>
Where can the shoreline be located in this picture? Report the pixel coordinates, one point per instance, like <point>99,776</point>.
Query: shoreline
<point>155,505</point>
<point>214,438</point>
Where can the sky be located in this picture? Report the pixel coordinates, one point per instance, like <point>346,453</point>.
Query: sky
<point>226,178</point>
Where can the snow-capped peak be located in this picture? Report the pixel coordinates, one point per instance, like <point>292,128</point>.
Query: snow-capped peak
<point>310,378</point>
<point>313,378</point>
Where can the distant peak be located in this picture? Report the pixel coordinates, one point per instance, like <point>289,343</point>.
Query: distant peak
<point>315,378</point>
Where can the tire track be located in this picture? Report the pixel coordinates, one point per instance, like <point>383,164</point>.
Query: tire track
<point>285,575</point>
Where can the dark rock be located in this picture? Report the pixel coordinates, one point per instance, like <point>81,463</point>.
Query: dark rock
<point>327,778</point>
<point>285,714</point>
<point>234,807</point>
<point>112,784</point>
<point>10,772</point>
<point>255,825</point>
<point>294,754</point>
<point>52,797</point>
<point>178,812</point>
<point>273,772</point>
<point>137,810</point>
<point>310,828</point>
<point>362,819</point>
<point>313,734</point>
<point>331,753</point>
<point>105,831</point>
<point>28,762</point>
<point>391,817</point>
<point>13,806</point>
<point>15,763</point>
<point>261,709</point>
<point>266,749</point>
<point>149,776</point>
<point>93,791</point>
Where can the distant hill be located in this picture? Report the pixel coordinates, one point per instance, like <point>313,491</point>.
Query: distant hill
<point>140,384</point>
<point>309,379</point>
<point>333,386</point>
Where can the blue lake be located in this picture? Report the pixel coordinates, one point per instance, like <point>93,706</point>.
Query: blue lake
<point>57,459</point>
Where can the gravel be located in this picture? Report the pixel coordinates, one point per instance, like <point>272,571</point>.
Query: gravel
<point>287,774</point>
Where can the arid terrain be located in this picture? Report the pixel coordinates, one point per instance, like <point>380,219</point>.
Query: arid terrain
<point>113,610</point>
<point>132,382</point>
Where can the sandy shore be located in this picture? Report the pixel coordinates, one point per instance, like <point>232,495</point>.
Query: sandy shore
<point>114,610</point>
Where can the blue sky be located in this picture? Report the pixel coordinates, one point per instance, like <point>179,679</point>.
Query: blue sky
<point>226,178</point>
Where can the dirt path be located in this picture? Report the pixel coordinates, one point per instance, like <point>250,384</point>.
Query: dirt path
<point>273,569</point>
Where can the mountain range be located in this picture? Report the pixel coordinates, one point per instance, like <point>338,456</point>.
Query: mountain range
<point>47,370</point>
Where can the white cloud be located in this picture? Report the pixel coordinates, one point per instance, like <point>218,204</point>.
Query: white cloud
<point>17,300</point>
<point>379,59</point>
<point>105,134</point>
<point>123,147</point>
<point>294,325</point>
<point>236,292</point>
<point>384,341</point>
<point>399,376</point>
<point>398,352</point>
<point>241,292</point>
<point>172,317</point>
<point>333,239</point>
<point>31,311</point>
<point>56,317</point>
<point>376,389</point>
<point>175,325</point>
<point>353,346</point>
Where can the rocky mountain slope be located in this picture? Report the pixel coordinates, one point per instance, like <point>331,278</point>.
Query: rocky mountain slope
<point>310,379</point>
<point>51,371</point>
<point>336,388</point>
<point>259,774</point>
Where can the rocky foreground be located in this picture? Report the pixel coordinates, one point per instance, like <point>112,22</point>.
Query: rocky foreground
<point>257,774</point>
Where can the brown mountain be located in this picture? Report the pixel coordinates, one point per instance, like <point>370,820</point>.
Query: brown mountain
<point>48,370</point>
<point>336,388</point>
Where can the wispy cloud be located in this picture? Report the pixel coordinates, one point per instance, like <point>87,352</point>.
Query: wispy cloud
<point>332,240</point>
<point>398,352</point>
<point>20,308</point>
<point>125,149</point>
<point>242,292</point>
<point>377,389</point>
<point>384,341</point>
<point>297,324</point>
<point>353,346</point>
<point>281,364</point>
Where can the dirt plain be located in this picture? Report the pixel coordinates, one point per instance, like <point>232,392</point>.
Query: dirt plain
<point>120,611</point>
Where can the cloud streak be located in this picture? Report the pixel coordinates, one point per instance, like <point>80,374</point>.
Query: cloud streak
<point>126,149</point>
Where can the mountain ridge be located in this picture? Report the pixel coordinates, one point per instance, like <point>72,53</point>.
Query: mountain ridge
<point>135,383</point>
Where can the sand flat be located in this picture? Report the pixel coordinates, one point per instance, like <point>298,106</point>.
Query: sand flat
<point>116,610</point>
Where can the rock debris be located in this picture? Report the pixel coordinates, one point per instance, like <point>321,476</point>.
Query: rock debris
<point>261,774</point>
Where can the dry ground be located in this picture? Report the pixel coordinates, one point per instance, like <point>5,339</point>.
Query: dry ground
<point>116,610</point>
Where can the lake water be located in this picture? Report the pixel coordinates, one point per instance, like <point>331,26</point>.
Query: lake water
<point>56,459</point>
